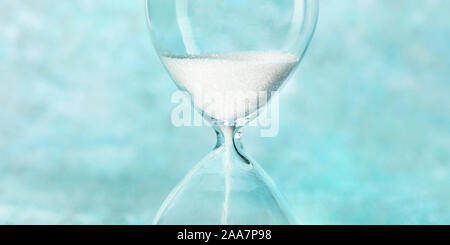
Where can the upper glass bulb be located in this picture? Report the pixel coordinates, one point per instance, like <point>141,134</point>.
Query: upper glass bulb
<point>230,56</point>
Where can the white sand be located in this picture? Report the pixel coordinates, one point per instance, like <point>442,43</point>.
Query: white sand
<point>226,86</point>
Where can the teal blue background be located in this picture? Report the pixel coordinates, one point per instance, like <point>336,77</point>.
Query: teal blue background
<point>86,137</point>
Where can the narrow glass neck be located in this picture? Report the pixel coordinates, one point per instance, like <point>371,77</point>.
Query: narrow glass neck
<point>229,138</point>
<point>225,135</point>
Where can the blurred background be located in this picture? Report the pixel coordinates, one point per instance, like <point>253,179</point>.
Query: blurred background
<point>86,136</point>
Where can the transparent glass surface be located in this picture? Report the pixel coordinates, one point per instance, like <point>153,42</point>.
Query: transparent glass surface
<point>227,74</point>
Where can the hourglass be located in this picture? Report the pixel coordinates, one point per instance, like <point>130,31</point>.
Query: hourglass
<point>229,56</point>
